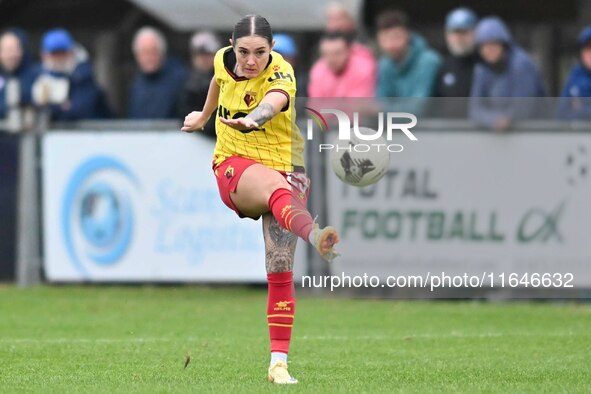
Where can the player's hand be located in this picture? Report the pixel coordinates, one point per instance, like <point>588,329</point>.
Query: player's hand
<point>194,121</point>
<point>240,123</point>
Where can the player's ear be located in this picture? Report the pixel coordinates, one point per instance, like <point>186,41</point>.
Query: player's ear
<point>231,42</point>
<point>273,44</point>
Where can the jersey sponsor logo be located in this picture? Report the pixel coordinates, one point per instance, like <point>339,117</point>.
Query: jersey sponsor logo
<point>282,306</point>
<point>227,114</point>
<point>223,112</point>
<point>250,97</point>
<point>280,75</point>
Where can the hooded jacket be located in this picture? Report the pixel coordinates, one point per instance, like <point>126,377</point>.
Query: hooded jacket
<point>413,77</point>
<point>516,77</point>
<point>26,73</point>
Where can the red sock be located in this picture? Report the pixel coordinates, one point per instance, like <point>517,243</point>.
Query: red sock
<point>291,213</point>
<point>280,309</point>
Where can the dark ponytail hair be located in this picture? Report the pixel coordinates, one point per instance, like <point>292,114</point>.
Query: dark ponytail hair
<point>253,25</point>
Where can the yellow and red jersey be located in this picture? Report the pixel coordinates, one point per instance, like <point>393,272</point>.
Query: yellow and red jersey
<point>277,144</point>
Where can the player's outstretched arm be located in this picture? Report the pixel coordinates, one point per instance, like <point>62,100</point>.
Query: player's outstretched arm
<point>271,104</point>
<point>196,120</point>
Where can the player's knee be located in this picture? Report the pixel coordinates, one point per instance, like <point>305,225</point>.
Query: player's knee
<point>277,182</point>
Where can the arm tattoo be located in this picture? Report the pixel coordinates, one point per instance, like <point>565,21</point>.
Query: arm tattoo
<point>279,245</point>
<point>261,114</point>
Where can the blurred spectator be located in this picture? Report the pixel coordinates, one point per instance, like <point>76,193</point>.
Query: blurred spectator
<point>506,71</point>
<point>575,102</point>
<point>16,69</point>
<point>457,69</point>
<point>67,83</point>
<point>409,66</point>
<point>203,47</point>
<point>286,46</point>
<point>339,19</point>
<point>339,74</point>
<point>157,86</point>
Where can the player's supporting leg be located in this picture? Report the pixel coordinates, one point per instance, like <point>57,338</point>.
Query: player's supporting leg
<point>261,189</point>
<point>279,252</point>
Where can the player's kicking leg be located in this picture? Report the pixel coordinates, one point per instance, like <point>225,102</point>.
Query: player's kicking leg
<point>292,214</point>
<point>279,251</point>
<point>261,189</point>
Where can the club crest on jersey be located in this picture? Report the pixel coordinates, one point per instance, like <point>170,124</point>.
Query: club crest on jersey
<point>229,172</point>
<point>249,98</point>
<point>276,67</point>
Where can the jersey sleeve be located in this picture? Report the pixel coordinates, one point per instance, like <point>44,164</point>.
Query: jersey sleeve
<point>282,80</point>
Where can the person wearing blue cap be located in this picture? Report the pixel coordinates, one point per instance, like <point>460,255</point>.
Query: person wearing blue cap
<point>455,75</point>
<point>575,101</point>
<point>503,78</point>
<point>65,63</point>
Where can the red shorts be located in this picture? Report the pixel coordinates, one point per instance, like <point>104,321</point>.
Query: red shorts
<point>229,171</point>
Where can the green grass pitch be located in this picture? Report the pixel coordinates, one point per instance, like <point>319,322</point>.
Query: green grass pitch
<point>136,339</point>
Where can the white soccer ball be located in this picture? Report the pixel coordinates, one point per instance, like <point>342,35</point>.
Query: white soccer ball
<point>360,163</point>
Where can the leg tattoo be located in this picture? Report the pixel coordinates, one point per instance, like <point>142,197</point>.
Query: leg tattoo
<point>279,245</point>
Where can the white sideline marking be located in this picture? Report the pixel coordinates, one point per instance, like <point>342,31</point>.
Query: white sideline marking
<point>305,337</point>
<point>440,336</point>
<point>86,340</point>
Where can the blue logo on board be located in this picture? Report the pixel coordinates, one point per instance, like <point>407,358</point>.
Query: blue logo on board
<point>97,212</point>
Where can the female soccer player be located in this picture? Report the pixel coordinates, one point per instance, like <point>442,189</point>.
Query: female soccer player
<point>259,165</point>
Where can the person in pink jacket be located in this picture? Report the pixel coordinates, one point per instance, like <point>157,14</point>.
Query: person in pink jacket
<point>339,18</point>
<point>341,71</point>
